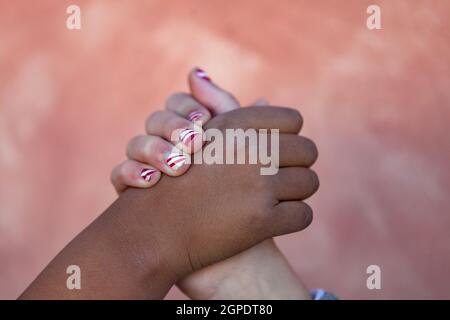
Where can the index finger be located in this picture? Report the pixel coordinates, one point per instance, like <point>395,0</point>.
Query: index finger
<point>287,120</point>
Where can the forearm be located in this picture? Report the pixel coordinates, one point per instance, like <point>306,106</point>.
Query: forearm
<point>260,272</point>
<point>267,275</point>
<point>115,261</point>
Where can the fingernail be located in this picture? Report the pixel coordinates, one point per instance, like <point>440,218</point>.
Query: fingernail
<point>195,115</point>
<point>175,160</point>
<point>202,74</point>
<point>147,173</point>
<point>187,135</point>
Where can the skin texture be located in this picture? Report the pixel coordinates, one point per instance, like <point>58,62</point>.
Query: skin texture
<point>260,272</point>
<point>148,240</point>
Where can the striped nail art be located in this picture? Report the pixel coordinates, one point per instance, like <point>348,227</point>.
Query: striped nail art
<point>175,160</point>
<point>195,115</point>
<point>187,135</point>
<point>202,74</point>
<point>147,173</point>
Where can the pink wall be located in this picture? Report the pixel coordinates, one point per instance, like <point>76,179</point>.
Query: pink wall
<point>376,102</point>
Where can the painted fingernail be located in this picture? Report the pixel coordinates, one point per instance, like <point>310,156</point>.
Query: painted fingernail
<point>175,160</point>
<point>187,135</point>
<point>147,173</point>
<point>202,74</point>
<point>195,115</point>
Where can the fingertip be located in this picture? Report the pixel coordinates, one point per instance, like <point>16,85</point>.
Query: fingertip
<point>199,82</point>
<point>131,173</point>
<point>199,116</point>
<point>176,163</point>
<point>188,139</point>
<point>178,171</point>
<point>200,74</point>
<point>114,178</point>
<point>186,106</point>
<point>209,94</point>
<point>290,216</point>
<point>148,176</point>
<point>296,119</point>
<point>308,216</point>
<point>193,144</point>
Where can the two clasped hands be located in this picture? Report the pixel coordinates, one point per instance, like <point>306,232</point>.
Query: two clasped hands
<point>207,228</point>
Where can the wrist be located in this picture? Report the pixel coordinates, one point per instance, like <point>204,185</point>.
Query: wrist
<point>265,274</point>
<point>111,262</point>
<point>143,265</point>
<point>154,247</point>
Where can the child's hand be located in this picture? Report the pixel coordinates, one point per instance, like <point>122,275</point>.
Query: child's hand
<point>152,154</point>
<point>149,155</point>
<point>215,211</point>
<point>239,276</point>
<point>147,241</point>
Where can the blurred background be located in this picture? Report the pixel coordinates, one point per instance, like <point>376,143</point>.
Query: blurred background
<point>376,102</point>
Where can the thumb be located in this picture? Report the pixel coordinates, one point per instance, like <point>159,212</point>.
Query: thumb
<point>209,94</point>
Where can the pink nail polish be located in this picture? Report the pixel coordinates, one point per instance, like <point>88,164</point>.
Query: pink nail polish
<point>147,173</point>
<point>202,74</point>
<point>187,135</point>
<point>175,160</point>
<point>194,115</point>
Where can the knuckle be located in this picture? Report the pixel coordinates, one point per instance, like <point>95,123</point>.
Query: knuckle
<point>134,143</point>
<point>296,118</point>
<point>265,186</point>
<point>175,98</point>
<point>257,220</point>
<point>114,174</point>
<point>221,122</point>
<point>123,171</point>
<point>301,217</point>
<point>156,149</point>
<point>151,118</point>
<point>227,96</point>
<point>266,210</point>
<point>177,123</point>
<point>307,216</point>
<point>312,150</point>
<point>140,147</point>
<point>148,148</point>
<point>314,180</point>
